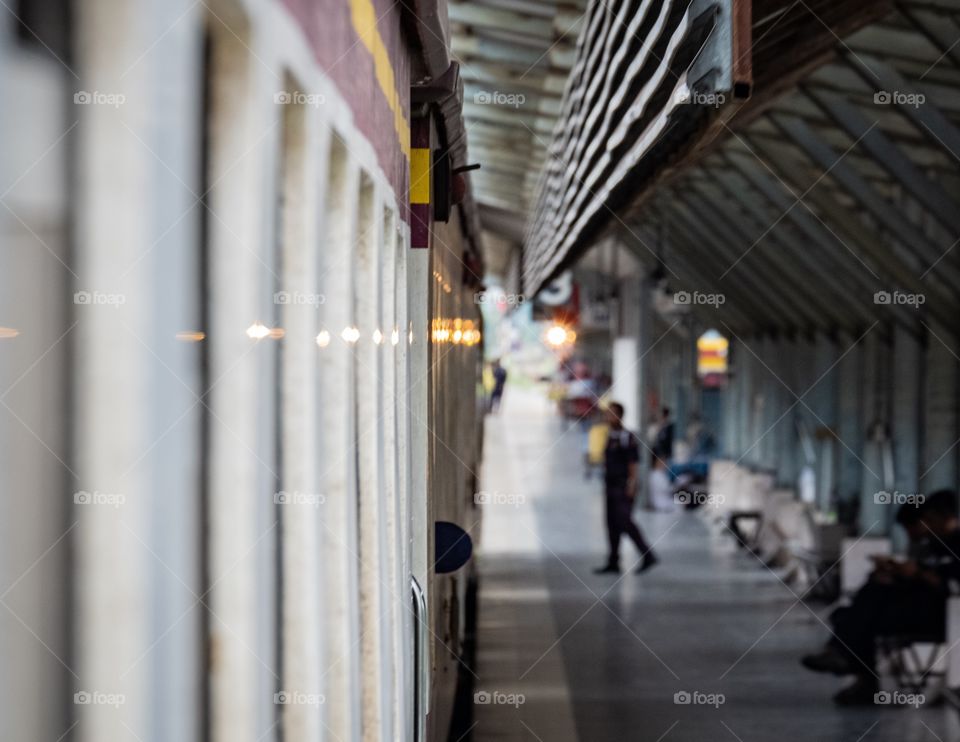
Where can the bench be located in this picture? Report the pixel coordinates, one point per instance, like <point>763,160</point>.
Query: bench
<point>739,494</point>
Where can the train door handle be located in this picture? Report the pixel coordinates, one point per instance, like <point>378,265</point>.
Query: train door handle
<point>421,654</point>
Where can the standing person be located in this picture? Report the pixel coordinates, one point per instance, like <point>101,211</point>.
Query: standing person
<point>499,382</point>
<point>663,445</point>
<point>621,458</point>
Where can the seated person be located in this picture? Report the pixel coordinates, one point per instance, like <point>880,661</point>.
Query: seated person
<point>901,598</point>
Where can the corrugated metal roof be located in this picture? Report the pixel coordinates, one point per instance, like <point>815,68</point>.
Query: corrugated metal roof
<point>646,80</point>
<point>836,182</point>
<point>842,190</point>
<point>515,57</point>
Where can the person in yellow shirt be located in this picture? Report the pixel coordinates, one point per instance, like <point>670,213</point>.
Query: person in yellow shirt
<point>596,445</point>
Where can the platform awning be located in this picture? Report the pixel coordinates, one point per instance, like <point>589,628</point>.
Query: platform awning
<point>657,87</point>
<point>648,79</point>
<point>831,205</point>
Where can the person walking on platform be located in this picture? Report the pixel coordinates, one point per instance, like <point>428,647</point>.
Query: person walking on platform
<point>621,458</point>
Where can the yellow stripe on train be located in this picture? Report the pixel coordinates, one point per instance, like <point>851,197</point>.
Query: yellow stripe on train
<point>364,18</point>
<point>420,175</point>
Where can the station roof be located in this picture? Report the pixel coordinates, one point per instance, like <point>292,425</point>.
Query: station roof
<point>515,57</point>
<point>836,181</point>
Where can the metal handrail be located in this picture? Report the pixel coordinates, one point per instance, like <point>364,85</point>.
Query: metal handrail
<point>421,653</point>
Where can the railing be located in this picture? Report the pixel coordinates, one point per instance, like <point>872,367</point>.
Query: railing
<point>421,662</point>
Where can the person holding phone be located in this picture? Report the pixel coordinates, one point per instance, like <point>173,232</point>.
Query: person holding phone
<point>902,597</point>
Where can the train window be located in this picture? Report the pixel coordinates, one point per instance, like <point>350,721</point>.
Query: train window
<point>369,460</point>
<point>299,305</point>
<point>242,569</point>
<point>390,405</point>
<point>337,424</point>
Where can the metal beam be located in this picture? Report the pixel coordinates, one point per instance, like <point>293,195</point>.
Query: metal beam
<point>942,32</point>
<point>491,165</point>
<point>906,316</point>
<point>930,122</point>
<point>684,259</point>
<point>494,199</point>
<point>533,100</point>
<point>695,222</point>
<point>485,131</point>
<point>866,195</point>
<point>493,77</point>
<point>503,52</point>
<point>508,117</point>
<point>820,263</point>
<point>472,14</point>
<point>929,195</point>
<point>902,267</point>
<point>769,268</point>
<point>789,256</point>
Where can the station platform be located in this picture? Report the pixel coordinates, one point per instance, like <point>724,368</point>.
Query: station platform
<point>566,655</point>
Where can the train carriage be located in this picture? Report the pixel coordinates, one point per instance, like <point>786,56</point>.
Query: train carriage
<point>244,393</point>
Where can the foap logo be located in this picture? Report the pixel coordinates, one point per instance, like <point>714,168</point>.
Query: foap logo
<point>296,98</point>
<point>297,698</point>
<point>492,297</point>
<point>698,298</point>
<point>687,97</point>
<point>899,498</point>
<point>898,98</point>
<point>899,698</point>
<point>699,499</point>
<point>99,298</point>
<point>496,98</point>
<point>496,698</point>
<point>110,499</point>
<point>899,298</point>
<point>98,698</point>
<point>697,698</point>
<point>96,98</point>
<point>499,498</point>
<point>313,499</point>
<point>299,298</point>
